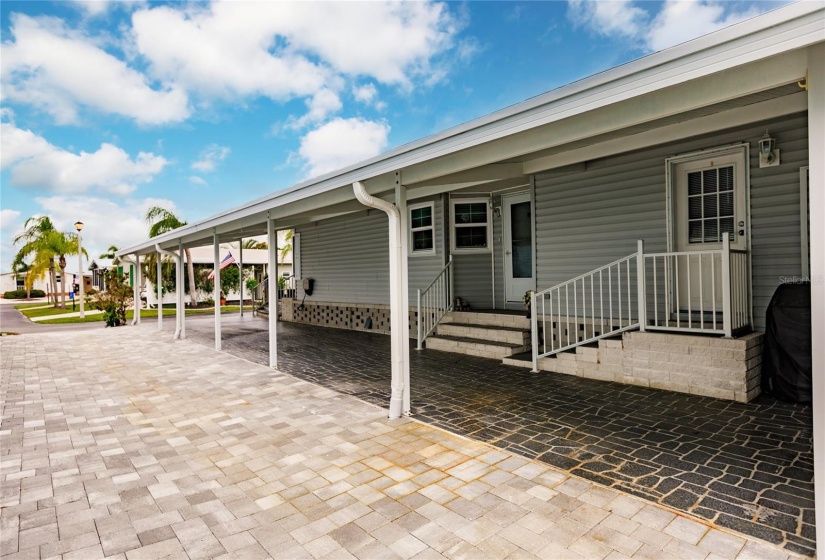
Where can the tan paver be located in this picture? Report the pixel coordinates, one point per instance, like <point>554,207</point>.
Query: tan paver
<point>125,443</point>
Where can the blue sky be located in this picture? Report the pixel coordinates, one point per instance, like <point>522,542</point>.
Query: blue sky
<point>111,107</point>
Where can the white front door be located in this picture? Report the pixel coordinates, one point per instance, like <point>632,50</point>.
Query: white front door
<point>517,224</point>
<point>709,201</point>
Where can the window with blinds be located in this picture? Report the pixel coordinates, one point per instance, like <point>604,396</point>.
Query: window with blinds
<point>711,212</point>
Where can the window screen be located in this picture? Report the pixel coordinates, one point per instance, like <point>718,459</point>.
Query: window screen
<point>710,205</point>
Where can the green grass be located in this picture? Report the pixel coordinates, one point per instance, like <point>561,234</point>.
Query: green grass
<point>32,305</point>
<point>46,311</point>
<point>144,314</point>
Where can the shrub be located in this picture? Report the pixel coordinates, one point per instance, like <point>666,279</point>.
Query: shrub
<point>21,294</point>
<point>114,300</point>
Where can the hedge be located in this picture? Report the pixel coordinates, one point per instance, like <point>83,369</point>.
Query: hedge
<point>21,294</point>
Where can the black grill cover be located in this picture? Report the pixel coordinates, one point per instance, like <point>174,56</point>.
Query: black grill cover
<point>786,353</point>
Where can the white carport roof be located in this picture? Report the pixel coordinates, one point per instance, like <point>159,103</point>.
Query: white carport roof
<point>730,68</point>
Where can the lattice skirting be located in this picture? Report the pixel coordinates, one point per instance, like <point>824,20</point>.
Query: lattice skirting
<point>353,316</point>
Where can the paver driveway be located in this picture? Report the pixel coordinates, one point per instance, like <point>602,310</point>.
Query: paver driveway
<point>745,467</point>
<point>123,443</point>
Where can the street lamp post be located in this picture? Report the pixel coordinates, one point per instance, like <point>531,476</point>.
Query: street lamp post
<point>79,227</point>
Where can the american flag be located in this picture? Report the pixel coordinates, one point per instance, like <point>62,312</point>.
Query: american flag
<point>227,260</point>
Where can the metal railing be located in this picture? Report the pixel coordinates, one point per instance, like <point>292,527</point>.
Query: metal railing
<point>692,291</point>
<point>597,304</point>
<point>698,291</point>
<point>434,302</point>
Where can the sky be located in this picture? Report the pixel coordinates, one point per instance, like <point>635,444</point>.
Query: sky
<point>111,107</point>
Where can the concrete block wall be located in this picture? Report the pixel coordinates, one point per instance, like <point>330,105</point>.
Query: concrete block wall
<point>352,316</point>
<point>699,365</point>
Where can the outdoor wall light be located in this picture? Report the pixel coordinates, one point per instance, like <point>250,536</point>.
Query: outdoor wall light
<point>768,154</point>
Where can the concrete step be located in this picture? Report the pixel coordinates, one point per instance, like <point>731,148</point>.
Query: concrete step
<point>513,335</point>
<point>525,360</point>
<point>511,320</point>
<point>474,347</point>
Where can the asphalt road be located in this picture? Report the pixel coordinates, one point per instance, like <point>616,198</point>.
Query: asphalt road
<point>11,320</point>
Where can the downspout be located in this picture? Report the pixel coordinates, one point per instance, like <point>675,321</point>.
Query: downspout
<point>398,331</point>
<point>178,288</point>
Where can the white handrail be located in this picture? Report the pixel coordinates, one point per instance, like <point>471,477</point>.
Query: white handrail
<point>692,291</point>
<point>434,302</point>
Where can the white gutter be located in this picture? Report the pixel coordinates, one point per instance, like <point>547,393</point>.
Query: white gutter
<point>178,289</point>
<point>398,314</point>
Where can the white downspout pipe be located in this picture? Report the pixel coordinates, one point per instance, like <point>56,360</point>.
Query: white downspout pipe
<point>272,288</point>
<point>179,289</point>
<point>240,270</point>
<point>398,319</point>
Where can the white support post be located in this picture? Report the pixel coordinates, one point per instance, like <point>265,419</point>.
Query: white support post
<point>179,288</point>
<point>272,288</point>
<point>240,270</point>
<point>726,289</point>
<point>419,322</point>
<point>640,282</point>
<point>136,287</point>
<point>404,322</point>
<point>534,331</point>
<point>217,284</point>
<point>159,284</point>
<point>180,310</point>
<point>816,188</point>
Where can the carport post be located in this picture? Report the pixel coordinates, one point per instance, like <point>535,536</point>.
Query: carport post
<point>178,259</point>
<point>136,287</point>
<point>240,270</point>
<point>272,288</point>
<point>217,285</point>
<point>160,291</point>
<point>816,189</point>
<point>403,285</point>
<point>180,290</point>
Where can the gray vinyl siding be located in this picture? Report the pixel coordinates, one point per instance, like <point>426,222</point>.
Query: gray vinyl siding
<point>348,257</point>
<point>589,218</point>
<point>775,222</point>
<point>474,279</point>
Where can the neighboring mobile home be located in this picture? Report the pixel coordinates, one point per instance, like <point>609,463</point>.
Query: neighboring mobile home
<point>652,210</point>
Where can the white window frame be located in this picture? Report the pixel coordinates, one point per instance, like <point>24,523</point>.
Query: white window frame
<point>410,230</point>
<point>488,224</point>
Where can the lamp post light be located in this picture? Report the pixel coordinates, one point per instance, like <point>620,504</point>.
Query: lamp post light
<point>79,227</point>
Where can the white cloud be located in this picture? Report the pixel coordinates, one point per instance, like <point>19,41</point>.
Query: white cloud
<point>676,21</point>
<point>681,20</point>
<point>8,220</point>
<point>341,142</point>
<point>105,221</point>
<point>365,93</point>
<point>287,49</point>
<point>319,106</point>
<point>35,163</point>
<point>58,70</point>
<point>210,158</point>
<point>195,180</point>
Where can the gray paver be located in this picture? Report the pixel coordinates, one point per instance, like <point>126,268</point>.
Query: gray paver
<point>198,453</point>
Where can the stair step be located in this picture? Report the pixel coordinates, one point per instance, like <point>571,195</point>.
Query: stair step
<point>474,347</point>
<point>513,335</point>
<point>513,320</point>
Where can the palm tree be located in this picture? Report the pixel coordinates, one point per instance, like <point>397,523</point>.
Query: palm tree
<point>255,244</point>
<point>37,229</point>
<point>163,221</point>
<point>287,248</point>
<point>111,254</point>
<point>61,244</point>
